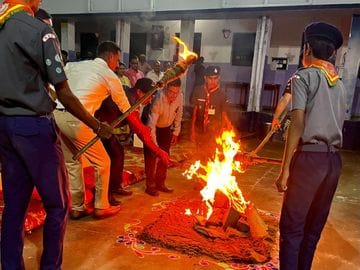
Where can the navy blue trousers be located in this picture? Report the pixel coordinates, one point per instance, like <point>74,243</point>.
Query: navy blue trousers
<point>155,170</point>
<point>31,157</point>
<point>311,187</point>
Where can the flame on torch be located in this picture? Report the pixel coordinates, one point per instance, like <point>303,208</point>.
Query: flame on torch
<point>219,174</point>
<point>186,51</point>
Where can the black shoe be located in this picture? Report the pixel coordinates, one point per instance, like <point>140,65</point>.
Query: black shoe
<point>152,192</point>
<point>75,214</point>
<point>114,200</point>
<point>165,189</point>
<point>123,192</point>
<point>108,212</point>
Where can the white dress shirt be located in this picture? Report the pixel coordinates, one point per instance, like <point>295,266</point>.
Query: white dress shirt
<point>154,76</point>
<point>92,81</point>
<point>164,114</point>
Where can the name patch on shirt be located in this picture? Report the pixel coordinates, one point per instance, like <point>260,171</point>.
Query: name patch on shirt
<point>212,111</point>
<point>48,36</point>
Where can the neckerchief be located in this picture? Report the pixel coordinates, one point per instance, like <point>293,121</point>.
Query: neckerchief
<point>207,107</point>
<point>10,7</point>
<point>206,111</point>
<point>328,69</point>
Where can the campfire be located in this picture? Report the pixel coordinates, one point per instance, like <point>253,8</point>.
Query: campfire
<point>226,205</point>
<point>218,221</point>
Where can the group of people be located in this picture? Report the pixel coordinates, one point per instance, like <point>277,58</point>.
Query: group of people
<point>140,68</point>
<point>38,136</point>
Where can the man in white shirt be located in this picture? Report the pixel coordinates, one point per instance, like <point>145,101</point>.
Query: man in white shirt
<point>143,64</point>
<point>165,124</point>
<point>92,81</point>
<point>155,74</point>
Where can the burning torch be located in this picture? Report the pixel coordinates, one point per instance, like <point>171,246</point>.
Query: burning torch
<point>169,76</point>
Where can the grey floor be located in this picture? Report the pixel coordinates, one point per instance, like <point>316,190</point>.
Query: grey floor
<point>91,244</point>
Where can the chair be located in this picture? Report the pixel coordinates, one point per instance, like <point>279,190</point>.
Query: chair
<point>244,91</point>
<point>274,89</point>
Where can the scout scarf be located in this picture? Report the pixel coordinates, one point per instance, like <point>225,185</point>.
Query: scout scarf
<point>328,69</point>
<point>10,7</point>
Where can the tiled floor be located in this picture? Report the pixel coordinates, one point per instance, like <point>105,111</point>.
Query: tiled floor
<point>91,244</point>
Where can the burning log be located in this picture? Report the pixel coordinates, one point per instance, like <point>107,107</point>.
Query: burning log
<point>177,228</point>
<point>258,228</point>
<point>227,208</point>
<point>225,220</point>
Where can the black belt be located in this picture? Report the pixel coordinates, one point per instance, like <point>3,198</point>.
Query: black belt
<point>317,148</point>
<point>61,109</point>
<point>46,115</point>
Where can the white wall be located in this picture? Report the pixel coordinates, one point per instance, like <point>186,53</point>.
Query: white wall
<point>214,47</point>
<point>170,28</point>
<point>285,42</point>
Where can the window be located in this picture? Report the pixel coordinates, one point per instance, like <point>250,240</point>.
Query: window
<point>243,49</point>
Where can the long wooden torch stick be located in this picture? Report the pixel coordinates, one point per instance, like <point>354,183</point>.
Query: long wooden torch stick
<point>117,121</point>
<point>268,136</point>
<point>170,75</point>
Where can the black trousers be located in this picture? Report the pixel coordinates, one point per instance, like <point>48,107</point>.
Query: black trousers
<point>311,187</point>
<point>155,170</point>
<point>116,153</point>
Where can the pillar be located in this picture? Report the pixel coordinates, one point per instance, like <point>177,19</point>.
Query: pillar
<point>187,29</point>
<point>123,39</point>
<point>68,38</point>
<point>262,42</point>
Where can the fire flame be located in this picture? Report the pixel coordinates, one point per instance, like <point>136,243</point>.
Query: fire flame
<point>186,51</point>
<point>219,174</point>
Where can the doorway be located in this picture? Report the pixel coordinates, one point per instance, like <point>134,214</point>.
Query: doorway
<point>137,44</point>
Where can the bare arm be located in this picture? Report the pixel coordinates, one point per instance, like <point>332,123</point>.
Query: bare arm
<point>296,130</point>
<point>281,108</point>
<point>144,134</point>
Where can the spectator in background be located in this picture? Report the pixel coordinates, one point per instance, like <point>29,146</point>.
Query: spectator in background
<point>281,107</point>
<point>199,71</point>
<point>120,72</point>
<point>155,74</point>
<point>143,64</point>
<point>167,65</point>
<point>133,73</point>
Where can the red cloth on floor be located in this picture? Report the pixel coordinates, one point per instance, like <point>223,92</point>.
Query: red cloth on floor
<point>35,215</point>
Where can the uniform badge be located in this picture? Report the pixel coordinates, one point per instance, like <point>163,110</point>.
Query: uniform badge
<point>48,36</point>
<point>3,7</point>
